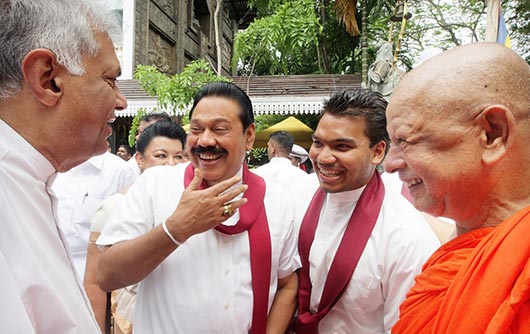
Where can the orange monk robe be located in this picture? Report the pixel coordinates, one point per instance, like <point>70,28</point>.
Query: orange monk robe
<point>477,283</point>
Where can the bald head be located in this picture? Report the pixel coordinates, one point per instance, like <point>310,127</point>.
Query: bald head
<point>463,81</point>
<point>460,125</point>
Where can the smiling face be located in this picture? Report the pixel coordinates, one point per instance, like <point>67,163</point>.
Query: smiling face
<point>341,154</point>
<point>437,156</point>
<point>88,104</point>
<point>161,151</point>
<point>216,140</point>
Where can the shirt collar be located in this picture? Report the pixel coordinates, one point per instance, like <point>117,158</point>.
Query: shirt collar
<point>14,143</point>
<point>280,160</point>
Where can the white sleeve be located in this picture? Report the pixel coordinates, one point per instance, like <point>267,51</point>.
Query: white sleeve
<point>104,212</point>
<point>413,244</point>
<point>289,260</point>
<point>14,315</point>
<point>132,217</point>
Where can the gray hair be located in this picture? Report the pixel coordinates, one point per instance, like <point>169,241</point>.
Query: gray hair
<point>65,27</point>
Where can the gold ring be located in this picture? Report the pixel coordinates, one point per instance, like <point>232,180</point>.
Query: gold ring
<point>228,210</point>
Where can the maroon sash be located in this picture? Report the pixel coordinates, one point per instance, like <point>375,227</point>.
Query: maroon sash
<point>351,247</point>
<point>252,217</point>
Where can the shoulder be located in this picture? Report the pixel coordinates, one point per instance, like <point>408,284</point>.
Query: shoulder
<point>110,159</point>
<point>399,216</point>
<point>277,200</point>
<point>263,168</point>
<point>114,164</point>
<point>165,174</point>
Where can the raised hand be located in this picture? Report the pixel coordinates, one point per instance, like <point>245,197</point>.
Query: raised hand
<point>200,210</point>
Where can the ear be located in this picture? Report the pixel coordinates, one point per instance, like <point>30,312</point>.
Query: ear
<point>378,152</point>
<point>497,132</point>
<point>41,74</point>
<point>140,160</point>
<point>250,135</point>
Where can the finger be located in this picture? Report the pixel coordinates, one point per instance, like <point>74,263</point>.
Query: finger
<point>231,194</point>
<point>228,210</point>
<point>195,183</point>
<point>233,206</point>
<point>221,187</point>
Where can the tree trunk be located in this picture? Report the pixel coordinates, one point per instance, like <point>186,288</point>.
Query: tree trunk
<point>364,45</point>
<point>321,48</point>
<point>492,19</point>
<point>217,31</point>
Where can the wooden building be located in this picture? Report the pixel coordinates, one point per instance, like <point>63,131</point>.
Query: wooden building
<point>171,33</point>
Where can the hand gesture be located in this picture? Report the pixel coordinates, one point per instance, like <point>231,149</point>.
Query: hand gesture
<point>200,210</point>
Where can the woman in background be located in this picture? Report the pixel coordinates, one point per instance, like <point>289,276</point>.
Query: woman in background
<point>161,143</point>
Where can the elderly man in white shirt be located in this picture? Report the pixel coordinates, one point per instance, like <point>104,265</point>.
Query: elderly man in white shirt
<point>81,191</point>
<point>229,268</point>
<point>57,95</point>
<point>361,244</point>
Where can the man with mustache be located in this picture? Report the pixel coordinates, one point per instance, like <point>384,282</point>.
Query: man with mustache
<point>460,128</point>
<point>360,244</point>
<point>203,268</point>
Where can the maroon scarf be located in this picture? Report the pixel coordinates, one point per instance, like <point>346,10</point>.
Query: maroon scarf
<point>252,218</point>
<point>351,247</point>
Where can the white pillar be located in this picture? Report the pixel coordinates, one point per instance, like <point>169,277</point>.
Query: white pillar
<point>492,19</point>
<point>128,39</point>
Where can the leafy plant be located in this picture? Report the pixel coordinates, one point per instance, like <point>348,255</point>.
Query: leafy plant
<point>175,93</point>
<point>134,127</point>
<point>257,157</point>
<point>281,43</point>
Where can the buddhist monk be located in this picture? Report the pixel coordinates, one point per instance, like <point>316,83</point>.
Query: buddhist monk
<point>460,131</point>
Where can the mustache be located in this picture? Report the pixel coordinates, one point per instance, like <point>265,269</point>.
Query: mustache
<point>208,150</point>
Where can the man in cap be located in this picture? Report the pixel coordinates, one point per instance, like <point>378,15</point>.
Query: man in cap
<point>298,157</point>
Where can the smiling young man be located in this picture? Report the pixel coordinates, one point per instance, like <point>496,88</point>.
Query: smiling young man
<point>460,129</point>
<point>360,245</point>
<point>208,260</point>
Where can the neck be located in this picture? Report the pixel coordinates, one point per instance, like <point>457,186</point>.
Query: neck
<point>491,215</point>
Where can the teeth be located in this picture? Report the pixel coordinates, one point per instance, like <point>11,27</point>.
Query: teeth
<point>413,182</point>
<point>330,173</point>
<point>208,156</point>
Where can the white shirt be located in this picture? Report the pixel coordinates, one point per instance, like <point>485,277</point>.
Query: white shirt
<point>81,191</point>
<point>39,290</point>
<point>134,165</point>
<point>298,183</point>
<point>400,243</point>
<point>204,286</point>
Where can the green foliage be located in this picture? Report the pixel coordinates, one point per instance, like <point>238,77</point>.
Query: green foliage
<point>260,50</point>
<point>517,15</point>
<point>435,24</point>
<point>264,121</point>
<point>134,127</point>
<point>281,43</point>
<point>176,92</point>
<point>257,157</point>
